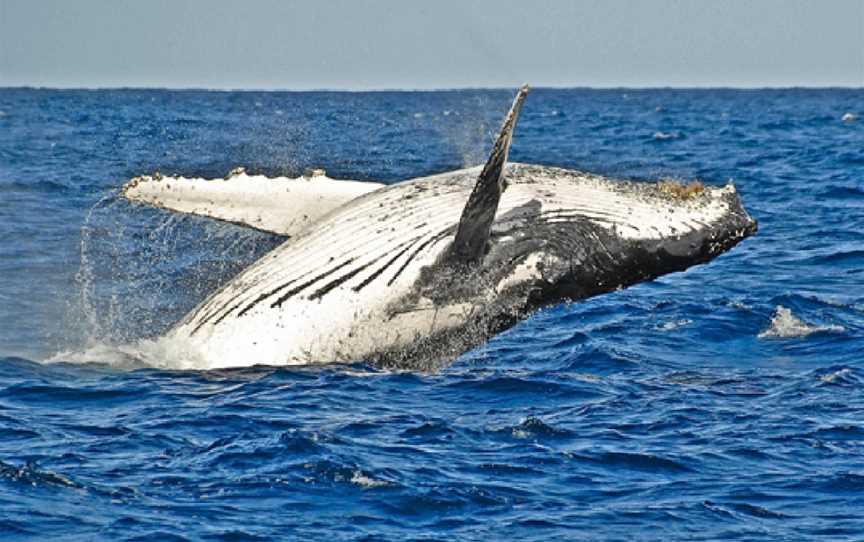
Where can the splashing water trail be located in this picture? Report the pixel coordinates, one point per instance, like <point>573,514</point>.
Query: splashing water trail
<point>140,270</point>
<point>785,325</point>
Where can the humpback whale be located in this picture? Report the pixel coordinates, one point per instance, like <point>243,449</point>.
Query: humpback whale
<point>414,274</point>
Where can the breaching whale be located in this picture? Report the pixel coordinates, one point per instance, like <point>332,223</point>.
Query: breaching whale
<point>414,274</point>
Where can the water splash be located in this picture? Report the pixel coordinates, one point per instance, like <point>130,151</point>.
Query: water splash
<point>672,325</point>
<point>367,482</point>
<point>665,136</point>
<point>786,325</point>
<point>140,270</point>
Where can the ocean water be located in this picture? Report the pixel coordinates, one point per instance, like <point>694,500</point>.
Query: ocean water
<point>725,402</point>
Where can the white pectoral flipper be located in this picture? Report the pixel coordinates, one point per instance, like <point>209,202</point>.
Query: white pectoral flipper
<point>280,205</point>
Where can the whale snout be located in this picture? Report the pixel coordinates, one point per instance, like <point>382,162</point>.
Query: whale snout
<point>737,223</point>
<point>752,226</point>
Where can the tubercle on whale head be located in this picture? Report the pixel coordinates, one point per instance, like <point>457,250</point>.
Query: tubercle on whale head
<point>681,190</point>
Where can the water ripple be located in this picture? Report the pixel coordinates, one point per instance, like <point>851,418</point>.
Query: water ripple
<point>656,412</point>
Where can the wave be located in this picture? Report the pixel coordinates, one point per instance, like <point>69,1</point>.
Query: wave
<point>159,353</point>
<point>533,427</point>
<point>645,462</point>
<point>666,136</point>
<point>842,192</point>
<point>29,474</point>
<point>842,376</point>
<point>672,325</point>
<point>42,185</point>
<point>120,356</point>
<point>786,325</point>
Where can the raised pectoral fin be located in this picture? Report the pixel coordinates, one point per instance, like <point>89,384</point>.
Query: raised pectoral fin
<point>475,223</point>
<point>278,205</point>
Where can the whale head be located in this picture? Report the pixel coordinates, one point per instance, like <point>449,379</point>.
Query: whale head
<point>589,235</point>
<point>562,235</point>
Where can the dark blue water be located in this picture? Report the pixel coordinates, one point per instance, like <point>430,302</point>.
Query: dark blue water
<point>665,411</point>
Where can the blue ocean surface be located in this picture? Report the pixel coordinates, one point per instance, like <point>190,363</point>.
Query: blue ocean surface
<point>722,403</point>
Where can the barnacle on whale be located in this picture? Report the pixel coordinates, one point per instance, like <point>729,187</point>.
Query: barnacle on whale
<point>679,190</point>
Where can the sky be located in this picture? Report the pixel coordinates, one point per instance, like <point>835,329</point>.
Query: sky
<point>384,44</point>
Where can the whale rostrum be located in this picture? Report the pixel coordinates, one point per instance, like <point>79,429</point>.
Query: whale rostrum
<point>414,274</point>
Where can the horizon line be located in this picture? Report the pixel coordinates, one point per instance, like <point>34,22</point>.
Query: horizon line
<point>430,89</point>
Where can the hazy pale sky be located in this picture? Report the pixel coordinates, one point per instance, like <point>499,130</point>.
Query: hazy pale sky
<point>366,44</point>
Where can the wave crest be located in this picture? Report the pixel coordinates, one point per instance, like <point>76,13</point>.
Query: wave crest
<point>785,325</point>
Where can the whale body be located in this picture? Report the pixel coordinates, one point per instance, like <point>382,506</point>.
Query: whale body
<point>414,274</point>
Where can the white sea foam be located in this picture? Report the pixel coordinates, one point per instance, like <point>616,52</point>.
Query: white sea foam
<point>832,377</point>
<point>366,482</point>
<point>786,325</point>
<point>737,304</point>
<point>674,324</point>
<point>120,356</point>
